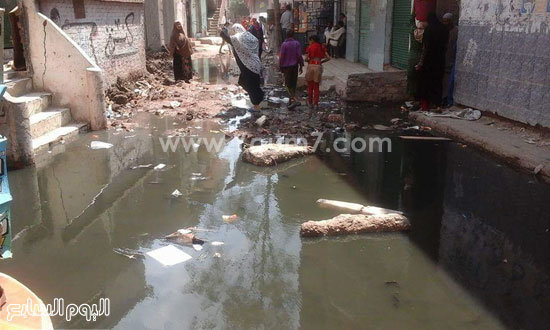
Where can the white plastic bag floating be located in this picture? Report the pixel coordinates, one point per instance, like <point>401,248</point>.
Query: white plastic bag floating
<point>100,145</point>
<point>177,193</point>
<point>169,255</point>
<point>159,167</point>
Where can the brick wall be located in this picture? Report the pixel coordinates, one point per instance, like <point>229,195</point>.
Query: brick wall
<point>503,60</point>
<point>377,87</point>
<point>111,32</point>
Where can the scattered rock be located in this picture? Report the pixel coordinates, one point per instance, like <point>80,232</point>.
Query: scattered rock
<point>346,224</point>
<point>273,154</point>
<point>120,99</point>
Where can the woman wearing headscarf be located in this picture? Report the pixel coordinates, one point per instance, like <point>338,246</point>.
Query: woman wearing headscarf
<point>258,32</point>
<point>180,49</point>
<point>432,63</point>
<point>245,49</point>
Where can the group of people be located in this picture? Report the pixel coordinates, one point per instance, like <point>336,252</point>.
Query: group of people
<point>432,59</point>
<point>246,45</point>
<point>291,63</point>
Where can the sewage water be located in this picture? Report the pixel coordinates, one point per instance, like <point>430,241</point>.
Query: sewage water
<point>475,258</point>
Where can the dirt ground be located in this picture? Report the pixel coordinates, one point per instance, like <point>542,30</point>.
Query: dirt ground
<point>156,92</point>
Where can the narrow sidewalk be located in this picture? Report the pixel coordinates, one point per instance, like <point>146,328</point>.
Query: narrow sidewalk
<point>521,146</point>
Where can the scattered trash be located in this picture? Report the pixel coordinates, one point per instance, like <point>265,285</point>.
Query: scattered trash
<point>230,218</point>
<point>382,128</point>
<point>175,104</point>
<point>197,247</point>
<point>335,118</point>
<point>355,224</point>
<point>466,114</point>
<point>530,141</point>
<point>409,104</point>
<point>217,243</point>
<point>217,255</point>
<point>100,145</point>
<point>184,237</point>
<point>177,193</point>
<point>159,167</point>
<point>355,208</point>
<point>142,166</point>
<point>538,169</point>
<point>169,255</point>
<point>127,253</point>
<point>261,121</point>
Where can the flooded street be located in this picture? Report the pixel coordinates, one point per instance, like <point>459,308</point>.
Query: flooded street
<point>471,261</point>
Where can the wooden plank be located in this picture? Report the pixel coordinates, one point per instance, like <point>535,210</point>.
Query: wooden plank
<point>425,138</point>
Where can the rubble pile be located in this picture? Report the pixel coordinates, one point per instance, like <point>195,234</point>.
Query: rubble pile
<point>156,92</point>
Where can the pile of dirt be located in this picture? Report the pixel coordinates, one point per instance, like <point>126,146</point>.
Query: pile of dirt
<point>156,92</point>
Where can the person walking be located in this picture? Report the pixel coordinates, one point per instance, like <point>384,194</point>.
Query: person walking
<point>258,32</point>
<point>225,29</point>
<point>316,55</point>
<point>291,62</point>
<point>245,50</point>
<point>180,49</point>
<point>432,63</point>
<point>286,21</point>
<point>450,60</point>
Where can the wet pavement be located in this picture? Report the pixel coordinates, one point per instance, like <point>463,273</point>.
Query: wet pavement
<point>474,259</point>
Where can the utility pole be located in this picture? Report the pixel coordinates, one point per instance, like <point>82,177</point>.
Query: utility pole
<point>277,30</point>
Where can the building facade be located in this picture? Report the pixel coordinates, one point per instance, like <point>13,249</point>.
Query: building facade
<point>112,33</point>
<point>503,61</point>
<point>160,16</point>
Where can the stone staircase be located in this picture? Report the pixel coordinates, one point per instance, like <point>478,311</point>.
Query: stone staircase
<point>213,23</point>
<point>50,126</point>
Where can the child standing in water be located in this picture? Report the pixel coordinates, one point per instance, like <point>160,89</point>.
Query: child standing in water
<point>316,55</point>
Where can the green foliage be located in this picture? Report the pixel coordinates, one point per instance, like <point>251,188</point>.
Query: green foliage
<point>238,8</point>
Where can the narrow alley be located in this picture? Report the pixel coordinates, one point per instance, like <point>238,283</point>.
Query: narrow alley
<point>160,210</point>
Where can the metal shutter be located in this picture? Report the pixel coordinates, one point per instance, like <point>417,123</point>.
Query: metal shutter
<point>364,27</point>
<point>400,33</point>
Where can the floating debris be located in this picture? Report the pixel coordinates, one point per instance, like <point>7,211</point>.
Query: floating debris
<point>169,255</point>
<point>230,218</point>
<point>95,145</point>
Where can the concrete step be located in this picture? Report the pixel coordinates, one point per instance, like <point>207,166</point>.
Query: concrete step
<point>35,102</point>
<point>49,120</point>
<point>18,86</point>
<point>9,73</point>
<point>58,136</point>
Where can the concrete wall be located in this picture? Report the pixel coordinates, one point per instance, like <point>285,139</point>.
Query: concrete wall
<point>379,37</point>
<point>58,62</point>
<point>160,16</point>
<point>111,33</point>
<point>503,61</point>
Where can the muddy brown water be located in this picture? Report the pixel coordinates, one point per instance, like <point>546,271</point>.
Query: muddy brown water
<point>476,257</point>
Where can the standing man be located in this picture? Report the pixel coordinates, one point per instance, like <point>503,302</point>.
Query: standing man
<point>450,59</point>
<point>290,62</point>
<point>286,21</point>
